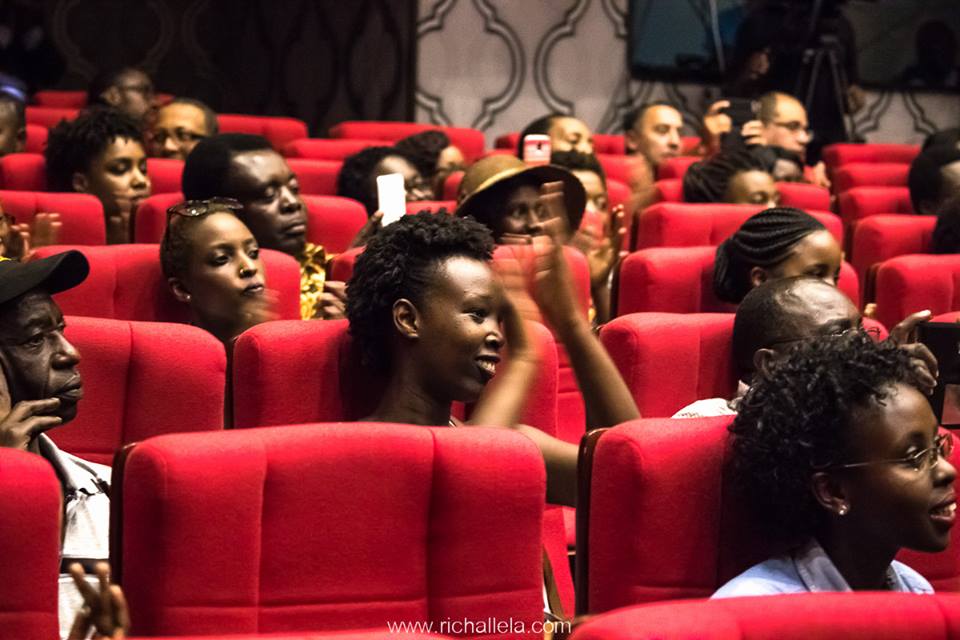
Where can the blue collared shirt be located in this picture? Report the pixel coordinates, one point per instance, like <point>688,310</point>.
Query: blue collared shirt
<point>809,569</point>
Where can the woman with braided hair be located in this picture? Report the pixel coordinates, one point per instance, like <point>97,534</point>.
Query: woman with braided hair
<point>734,177</point>
<point>775,243</point>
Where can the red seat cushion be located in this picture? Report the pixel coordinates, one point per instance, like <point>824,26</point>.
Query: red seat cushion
<point>50,116</point>
<point>860,202</point>
<point>126,283</point>
<point>337,526</point>
<point>165,174</point>
<point>470,141</point>
<point>676,168</point>
<point>793,194</point>
<point>617,167</point>
<point>278,130</point>
<point>870,174</point>
<point>63,99</point>
<point>911,283</point>
<point>138,383</point>
<point>81,215</point>
<point>36,138</point>
<point>881,237</point>
<point>836,155</point>
<point>23,172</point>
<point>316,177</point>
<point>618,193</point>
<point>328,149</point>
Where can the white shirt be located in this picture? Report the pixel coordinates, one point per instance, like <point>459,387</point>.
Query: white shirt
<point>712,407</point>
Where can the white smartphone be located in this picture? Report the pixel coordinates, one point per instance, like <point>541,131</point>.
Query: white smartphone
<point>391,197</point>
<point>536,150</point>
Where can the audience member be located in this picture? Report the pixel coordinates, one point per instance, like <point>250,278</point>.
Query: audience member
<point>946,234</point>
<point>842,458</point>
<point>433,155</point>
<point>943,138</point>
<point>358,176</point>
<point>180,125</point>
<point>101,153</point>
<point>246,168</point>
<point>783,165</point>
<point>13,125</point>
<point>129,90</point>
<point>736,177</point>
<point>775,243</point>
<point>40,387</point>
<point>783,123</point>
<point>104,615</point>
<point>934,178</point>
<point>652,132</point>
<point>566,133</point>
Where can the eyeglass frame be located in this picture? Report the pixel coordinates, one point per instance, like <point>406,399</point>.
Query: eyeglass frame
<point>199,208</point>
<point>942,448</point>
<point>873,332</point>
<point>181,135</point>
<point>795,127</point>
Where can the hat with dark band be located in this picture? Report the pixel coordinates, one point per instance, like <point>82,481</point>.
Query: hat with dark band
<point>53,274</point>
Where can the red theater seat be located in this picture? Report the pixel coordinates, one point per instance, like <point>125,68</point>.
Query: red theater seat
<point>433,206</point>
<point>165,174</point>
<point>289,529</point>
<point>617,167</point>
<point>469,141</point>
<point>668,190</point>
<point>138,383</point>
<point>81,214</point>
<point>451,186</point>
<point>793,194</point>
<point>640,478</point>
<point>618,193</point>
<point>680,280</point>
<point>836,155</point>
<point>126,283</point>
<point>62,99</point>
<point>278,130</point>
<point>683,224</point>
<point>825,616</point>
<point>859,202</point>
<point>49,117</point>
<point>870,174</point>
<point>36,138</point>
<point>316,177</point>
<point>29,544</point>
<point>23,172</point>
<point>882,237</point>
<point>675,168</point>
<point>907,284</point>
<point>328,149</point>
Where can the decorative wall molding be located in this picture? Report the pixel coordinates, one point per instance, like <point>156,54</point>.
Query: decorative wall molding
<point>566,28</point>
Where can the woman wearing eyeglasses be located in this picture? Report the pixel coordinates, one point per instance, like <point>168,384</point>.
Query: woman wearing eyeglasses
<point>839,453</point>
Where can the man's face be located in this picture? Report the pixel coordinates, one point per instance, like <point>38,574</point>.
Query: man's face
<point>656,134</point>
<point>815,308</point>
<point>177,130</point>
<point>134,94</point>
<point>270,195</point>
<point>37,360</point>
<point>949,182</point>
<point>570,134</point>
<point>789,128</point>
<point>12,135</point>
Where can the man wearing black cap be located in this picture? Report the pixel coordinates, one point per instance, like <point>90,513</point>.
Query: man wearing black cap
<point>39,390</point>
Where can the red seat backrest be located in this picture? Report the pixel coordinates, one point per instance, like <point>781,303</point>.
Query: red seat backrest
<point>151,218</point>
<point>618,167</point>
<point>433,206</point>
<point>836,155</point>
<point>63,99</point>
<point>328,148</point>
<point>682,224</point>
<point>882,237</point>
<point>165,174</point>
<point>639,481</point>
<point>793,194</point>
<point>137,383</point>
<point>451,186</point>
<point>23,172</point>
<point>859,202</point>
<point>316,177</point>
<point>126,283</point>
<point>36,138</point>
<point>907,284</point>
<point>278,130</point>
<point>676,168</point>
<point>50,117</point>
<point>81,214</point>
<point>470,141</point>
<point>870,174</point>
<point>618,193</point>
<point>827,616</point>
<point>680,280</point>
<point>29,544</point>
<point>398,523</point>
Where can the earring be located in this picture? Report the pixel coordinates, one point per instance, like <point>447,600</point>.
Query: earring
<point>187,297</point>
<point>844,508</point>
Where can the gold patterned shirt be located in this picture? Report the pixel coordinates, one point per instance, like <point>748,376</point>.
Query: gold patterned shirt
<point>313,272</point>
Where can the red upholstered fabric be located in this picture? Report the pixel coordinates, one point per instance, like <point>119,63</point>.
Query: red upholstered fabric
<point>642,478</point>
<point>670,360</point>
<point>23,172</point>
<point>682,224</point>
<point>907,284</point>
<point>64,99</point>
<point>433,206</point>
<point>165,174</point>
<point>126,283</point>
<point>469,141</point>
<point>825,616</point>
<point>29,545</point>
<point>860,202</point>
<point>36,138</point>
<point>675,168</point>
<point>278,130</point>
<point>337,526</point>
<point>151,218</point>
<point>794,194</point>
<point>451,186</point>
<point>316,177</point>
<point>80,214</point>
<point>50,116</point>
<point>364,634</point>
<point>341,268</point>
<point>680,280</point>
<point>670,190</point>
<point>881,237</point>
<point>870,174</point>
<point>836,155</point>
<point>618,167</point>
<point>618,193</point>
<point>141,379</point>
<point>951,316</point>
<point>328,148</point>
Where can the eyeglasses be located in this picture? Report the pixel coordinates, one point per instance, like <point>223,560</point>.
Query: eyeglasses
<point>924,459</point>
<point>795,127</point>
<point>180,135</point>
<point>146,90</point>
<point>873,332</point>
<point>197,208</point>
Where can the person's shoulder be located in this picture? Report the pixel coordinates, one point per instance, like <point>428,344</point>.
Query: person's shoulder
<point>708,408</point>
<point>774,576</point>
<point>911,579</point>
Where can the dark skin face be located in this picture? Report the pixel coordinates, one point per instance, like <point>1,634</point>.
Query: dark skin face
<point>817,255</point>
<point>416,187</point>
<point>38,361</point>
<point>117,177</point>
<point>270,195</point>
<point>523,213</point>
<point>13,134</point>
<point>753,187</point>
<point>133,94</point>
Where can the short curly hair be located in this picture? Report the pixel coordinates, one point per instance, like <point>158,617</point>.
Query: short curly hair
<point>423,150</point>
<point>354,178</point>
<point>73,145</point>
<point>796,419</point>
<point>175,246</point>
<point>400,262</point>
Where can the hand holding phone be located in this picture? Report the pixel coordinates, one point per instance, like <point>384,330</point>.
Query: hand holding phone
<point>391,197</point>
<point>943,339</point>
<point>536,150</point>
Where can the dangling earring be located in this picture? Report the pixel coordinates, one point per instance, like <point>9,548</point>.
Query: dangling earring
<point>844,508</point>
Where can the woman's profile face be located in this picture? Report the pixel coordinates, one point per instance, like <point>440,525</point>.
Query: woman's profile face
<point>459,329</point>
<point>223,270</point>
<point>898,504</point>
<point>818,255</point>
<point>118,177</point>
<point>753,187</point>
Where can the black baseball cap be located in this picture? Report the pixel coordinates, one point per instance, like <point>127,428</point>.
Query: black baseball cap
<point>52,274</point>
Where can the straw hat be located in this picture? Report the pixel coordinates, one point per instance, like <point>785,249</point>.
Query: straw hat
<point>494,175</point>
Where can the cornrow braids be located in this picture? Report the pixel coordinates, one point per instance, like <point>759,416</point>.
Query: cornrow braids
<point>764,240</point>
<point>709,180</point>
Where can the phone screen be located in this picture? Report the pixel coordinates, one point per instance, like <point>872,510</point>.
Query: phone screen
<point>943,339</point>
<point>391,197</point>
<point>536,150</point>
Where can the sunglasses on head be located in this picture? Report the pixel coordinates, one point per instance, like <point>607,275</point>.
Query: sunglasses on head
<point>197,208</point>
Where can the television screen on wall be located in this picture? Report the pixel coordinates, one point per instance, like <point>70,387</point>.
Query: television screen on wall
<point>899,44</point>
